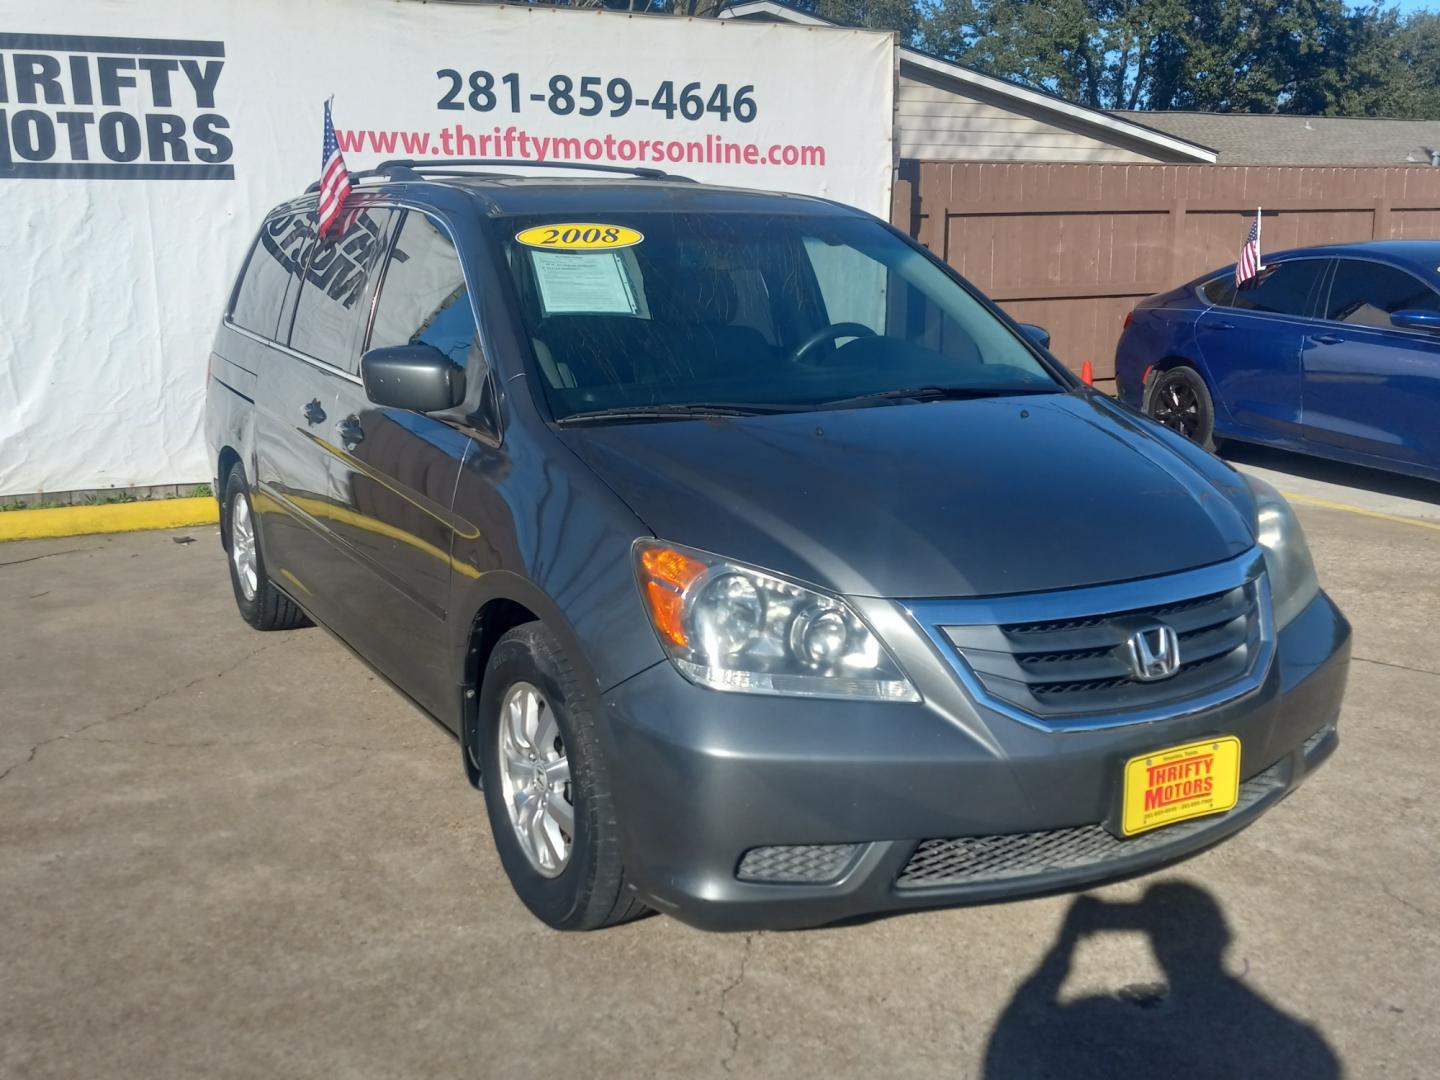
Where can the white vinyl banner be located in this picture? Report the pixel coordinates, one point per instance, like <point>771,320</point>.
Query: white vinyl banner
<point>141,144</point>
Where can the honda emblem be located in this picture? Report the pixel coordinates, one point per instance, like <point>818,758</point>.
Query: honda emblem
<point>1154,652</point>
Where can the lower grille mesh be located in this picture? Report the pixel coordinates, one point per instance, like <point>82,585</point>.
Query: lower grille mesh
<point>796,864</point>
<point>971,859</point>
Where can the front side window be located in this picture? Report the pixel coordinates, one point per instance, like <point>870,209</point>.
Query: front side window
<point>771,311</point>
<point>328,311</point>
<point>423,299</point>
<point>1282,289</point>
<point>1367,294</point>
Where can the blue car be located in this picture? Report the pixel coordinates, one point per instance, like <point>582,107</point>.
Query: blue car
<point>1333,351</point>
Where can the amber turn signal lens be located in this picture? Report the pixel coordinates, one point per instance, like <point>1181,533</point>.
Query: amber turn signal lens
<point>668,573</point>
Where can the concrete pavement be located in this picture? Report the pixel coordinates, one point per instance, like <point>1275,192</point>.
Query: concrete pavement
<point>227,854</point>
<point>1316,482</point>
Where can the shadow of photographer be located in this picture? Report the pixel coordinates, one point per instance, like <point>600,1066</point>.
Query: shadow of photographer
<point>1205,1023</point>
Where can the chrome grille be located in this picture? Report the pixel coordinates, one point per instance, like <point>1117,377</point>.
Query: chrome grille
<point>1072,663</point>
<point>969,860</point>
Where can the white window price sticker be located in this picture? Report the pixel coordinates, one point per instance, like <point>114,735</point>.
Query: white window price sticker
<point>591,283</point>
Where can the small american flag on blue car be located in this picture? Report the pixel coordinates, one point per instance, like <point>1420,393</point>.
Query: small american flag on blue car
<point>1249,263</point>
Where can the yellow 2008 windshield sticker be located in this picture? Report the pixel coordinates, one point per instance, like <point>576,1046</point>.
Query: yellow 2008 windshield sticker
<point>579,236</point>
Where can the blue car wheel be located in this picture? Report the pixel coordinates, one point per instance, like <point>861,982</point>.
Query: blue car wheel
<point>1180,400</point>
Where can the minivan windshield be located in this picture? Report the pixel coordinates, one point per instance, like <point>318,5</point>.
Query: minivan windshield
<point>659,314</point>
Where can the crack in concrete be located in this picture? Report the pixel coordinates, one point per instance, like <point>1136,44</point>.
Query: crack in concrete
<point>343,780</point>
<point>35,750</point>
<point>1401,667</point>
<point>48,555</point>
<point>1405,903</point>
<point>725,991</point>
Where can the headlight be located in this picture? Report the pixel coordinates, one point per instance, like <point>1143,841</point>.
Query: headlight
<point>732,627</point>
<point>1287,557</point>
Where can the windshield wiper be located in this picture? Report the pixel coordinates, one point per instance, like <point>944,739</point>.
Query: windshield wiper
<point>937,393</point>
<point>689,409</point>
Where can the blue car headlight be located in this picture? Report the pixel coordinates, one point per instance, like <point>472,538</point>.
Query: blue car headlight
<point>1287,556</point>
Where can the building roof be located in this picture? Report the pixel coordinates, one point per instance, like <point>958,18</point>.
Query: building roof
<point>1275,139</point>
<point>1103,125</point>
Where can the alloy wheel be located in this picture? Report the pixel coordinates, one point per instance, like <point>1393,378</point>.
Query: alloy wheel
<point>242,546</point>
<point>1177,406</point>
<point>535,779</point>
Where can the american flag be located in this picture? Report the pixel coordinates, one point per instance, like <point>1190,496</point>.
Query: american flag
<point>1249,264</point>
<point>334,177</point>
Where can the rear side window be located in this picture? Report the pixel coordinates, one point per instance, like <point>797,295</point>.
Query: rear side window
<point>1285,289</point>
<point>327,313</point>
<point>262,284</point>
<point>1367,294</point>
<point>423,299</point>
<point>1220,290</point>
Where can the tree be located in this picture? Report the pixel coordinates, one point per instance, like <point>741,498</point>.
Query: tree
<point>1293,56</point>
<point>697,9</point>
<point>1297,56</point>
<point>901,16</point>
<point>1409,62</point>
<point>1057,45</point>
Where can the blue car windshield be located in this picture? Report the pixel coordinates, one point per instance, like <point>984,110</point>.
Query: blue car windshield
<point>765,311</point>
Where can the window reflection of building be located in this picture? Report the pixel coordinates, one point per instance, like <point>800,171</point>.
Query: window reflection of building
<point>423,299</point>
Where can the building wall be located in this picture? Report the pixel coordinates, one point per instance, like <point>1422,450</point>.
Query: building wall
<point>1073,247</point>
<point>935,122</point>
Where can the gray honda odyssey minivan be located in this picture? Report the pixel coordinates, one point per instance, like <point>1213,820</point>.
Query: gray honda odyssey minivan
<point>766,573</point>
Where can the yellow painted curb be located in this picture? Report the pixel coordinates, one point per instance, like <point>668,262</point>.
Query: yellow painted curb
<point>1327,504</point>
<point>109,518</point>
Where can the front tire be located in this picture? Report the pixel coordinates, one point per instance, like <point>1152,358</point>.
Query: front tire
<point>1179,399</point>
<point>547,787</point>
<point>261,604</point>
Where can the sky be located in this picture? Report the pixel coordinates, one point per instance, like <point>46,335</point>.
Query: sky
<point>1407,6</point>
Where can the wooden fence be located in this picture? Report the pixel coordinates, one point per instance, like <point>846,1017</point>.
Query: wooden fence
<point>1072,247</point>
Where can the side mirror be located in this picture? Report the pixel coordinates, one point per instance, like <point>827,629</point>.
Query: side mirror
<point>1038,334</point>
<point>1416,320</point>
<point>416,377</point>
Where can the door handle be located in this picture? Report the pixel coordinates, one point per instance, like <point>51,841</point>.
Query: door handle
<point>314,413</point>
<point>1326,339</point>
<point>350,430</point>
<point>1222,326</point>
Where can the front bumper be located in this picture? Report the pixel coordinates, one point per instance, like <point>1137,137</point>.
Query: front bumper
<point>703,778</point>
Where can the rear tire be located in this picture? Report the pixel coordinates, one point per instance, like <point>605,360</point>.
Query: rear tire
<point>261,604</point>
<point>1180,400</point>
<point>547,786</point>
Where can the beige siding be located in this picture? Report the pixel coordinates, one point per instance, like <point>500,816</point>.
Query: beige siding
<point>950,123</point>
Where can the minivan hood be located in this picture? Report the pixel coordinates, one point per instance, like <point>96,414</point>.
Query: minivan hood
<point>954,499</point>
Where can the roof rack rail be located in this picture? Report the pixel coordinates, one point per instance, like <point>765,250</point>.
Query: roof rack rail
<point>417,167</point>
<point>391,170</point>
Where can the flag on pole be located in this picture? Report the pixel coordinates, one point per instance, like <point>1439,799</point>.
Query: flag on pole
<point>334,176</point>
<point>1249,263</point>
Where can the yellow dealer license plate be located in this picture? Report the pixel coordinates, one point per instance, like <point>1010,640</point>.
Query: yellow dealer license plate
<point>1180,783</point>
